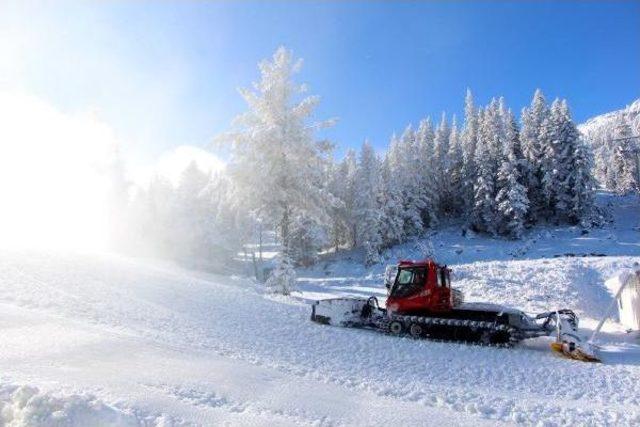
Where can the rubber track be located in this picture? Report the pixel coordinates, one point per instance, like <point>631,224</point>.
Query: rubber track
<point>472,325</point>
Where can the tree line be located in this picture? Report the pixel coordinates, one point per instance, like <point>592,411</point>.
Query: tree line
<point>490,173</point>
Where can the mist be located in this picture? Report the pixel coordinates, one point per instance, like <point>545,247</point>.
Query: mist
<point>54,179</point>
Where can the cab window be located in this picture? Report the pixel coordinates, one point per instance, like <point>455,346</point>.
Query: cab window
<point>408,281</point>
<point>405,277</point>
<point>443,278</point>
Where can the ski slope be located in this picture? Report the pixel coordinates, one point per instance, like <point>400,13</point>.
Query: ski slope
<point>158,345</point>
<point>106,340</point>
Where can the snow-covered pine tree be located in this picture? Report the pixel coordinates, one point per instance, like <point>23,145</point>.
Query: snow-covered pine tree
<point>341,186</point>
<point>553,165</point>
<point>511,200</point>
<point>367,203</point>
<point>511,131</point>
<point>605,163</point>
<point>484,213</point>
<point>226,225</point>
<point>532,119</point>
<point>455,170</point>
<point>624,157</point>
<point>429,193</point>
<point>469,142</point>
<point>441,165</point>
<point>602,164</point>
<point>282,279</point>
<point>408,172</point>
<point>582,183</point>
<point>498,129</point>
<point>276,162</point>
<point>396,160</point>
<point>337,230</point>
<point>307,238</point>
<point>351,165</point>
<point>392,223</point>
<point>561,166</point>
<point>576,198</point>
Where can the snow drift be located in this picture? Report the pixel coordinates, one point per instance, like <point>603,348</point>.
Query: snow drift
<point>28,406</point>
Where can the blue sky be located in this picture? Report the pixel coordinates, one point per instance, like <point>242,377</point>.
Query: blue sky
<point>164,74</point>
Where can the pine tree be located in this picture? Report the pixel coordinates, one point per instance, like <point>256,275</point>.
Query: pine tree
<point>407,170</point>
<point>224,224</point>
<point>442,166</point>
<point>351,164</point>
<point>552,150</point>
<point>338,228</point>
<point>582,183</point>
<point>469,142</point>
<point>341,186</point>
<point>307,238</point>
<point>282,279</point>
<point>575,162</point>
<point>512,134</point>
<point>562,138</point>
<point>367,207</point>
<point>455,170</point>
<point>496,127</point>
<point>484,212</point>
<point>532,119</point>
<point>624,157</point>
<point>276,162</point>
<point>392,223</point>
<point>511,200</point>
<point>425,163</point>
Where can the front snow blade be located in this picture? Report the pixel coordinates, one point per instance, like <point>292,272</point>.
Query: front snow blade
<point>338,311</point>
<point>577,353</point>
<point>568,342</point>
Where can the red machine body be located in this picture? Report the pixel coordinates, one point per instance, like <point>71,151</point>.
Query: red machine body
<point>420,287</point>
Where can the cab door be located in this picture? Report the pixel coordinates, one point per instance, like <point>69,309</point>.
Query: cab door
<point>443,288</point>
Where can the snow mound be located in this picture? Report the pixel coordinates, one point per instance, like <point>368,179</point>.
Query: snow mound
<point>28,406</point>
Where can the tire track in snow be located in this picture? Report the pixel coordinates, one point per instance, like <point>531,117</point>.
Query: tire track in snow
<point>209,399</point>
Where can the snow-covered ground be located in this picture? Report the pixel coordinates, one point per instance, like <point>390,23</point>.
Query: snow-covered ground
<point>106,340</point>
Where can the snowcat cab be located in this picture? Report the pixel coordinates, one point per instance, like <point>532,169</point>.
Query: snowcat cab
<point>420,285</point>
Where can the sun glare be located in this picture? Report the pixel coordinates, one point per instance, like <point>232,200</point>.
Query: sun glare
<point>53,184</point>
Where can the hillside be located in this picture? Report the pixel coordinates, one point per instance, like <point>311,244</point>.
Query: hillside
<point>601,125</point>
<point>118,341</point>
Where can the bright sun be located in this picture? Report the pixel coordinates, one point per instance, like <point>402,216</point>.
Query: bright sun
<point>53,184</point>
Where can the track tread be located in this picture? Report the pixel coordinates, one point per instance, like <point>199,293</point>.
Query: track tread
<point>470,326</point>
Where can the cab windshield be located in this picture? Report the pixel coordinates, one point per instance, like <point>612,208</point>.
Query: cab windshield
<point>408,281</point>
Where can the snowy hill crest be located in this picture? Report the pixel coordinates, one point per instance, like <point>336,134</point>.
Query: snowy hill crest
<point>604,122</point>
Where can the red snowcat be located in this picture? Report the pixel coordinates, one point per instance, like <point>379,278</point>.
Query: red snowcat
<point>422,304</point>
